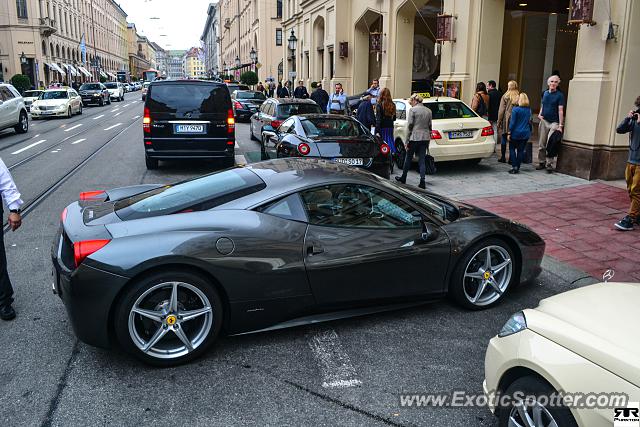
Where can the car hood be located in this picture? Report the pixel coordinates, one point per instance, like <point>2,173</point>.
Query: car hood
<point>29,98</point>
<point>51,102</point>
<point>90,92</point>
<point>598,322</point>
<point>115,89</point>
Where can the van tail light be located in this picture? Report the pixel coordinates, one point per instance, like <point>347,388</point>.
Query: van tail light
<point>231,122</point>
<point>237,105</point>
<point>276,123</point>
<point>435,134</point>
<point>304,149</point>
<point>92,195</point>
<point>488,131</point>
<point>81,250</point>
<point>384,149</point>
<point>146,121</point>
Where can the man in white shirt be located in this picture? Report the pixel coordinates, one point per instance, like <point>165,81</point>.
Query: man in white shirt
<point>11,197</point>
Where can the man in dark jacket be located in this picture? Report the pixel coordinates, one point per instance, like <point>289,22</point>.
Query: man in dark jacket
<point>631,125</point>
<point>365,114</point>
<point>301,91</point>
<point>494,106</point>
<point>320,96</point>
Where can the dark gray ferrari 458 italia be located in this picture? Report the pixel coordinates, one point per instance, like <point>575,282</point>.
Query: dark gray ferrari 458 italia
<point>162,270</point>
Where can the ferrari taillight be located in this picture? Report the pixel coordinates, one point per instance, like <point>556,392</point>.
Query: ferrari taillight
<point>81,250</point>
<point>304,149</point>
<point>92,195</point>
<point>384,149</point>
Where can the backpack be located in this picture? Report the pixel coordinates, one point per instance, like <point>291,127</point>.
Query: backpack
<point>553,143</point>
<point>482,107</point>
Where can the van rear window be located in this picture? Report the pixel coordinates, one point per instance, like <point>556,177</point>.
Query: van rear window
<point>188,98</point>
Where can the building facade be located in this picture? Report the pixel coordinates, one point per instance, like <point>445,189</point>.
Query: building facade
<point>209,41</point>
<point>142,54</point>
<point>355,41</point>
<point>175,63</point>
<point>194,65</point>
<point>44,40</point>
<point>161,59</point>
<point>247,26</point>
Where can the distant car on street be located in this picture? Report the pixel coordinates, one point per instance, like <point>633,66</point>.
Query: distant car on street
<point>116,90</point>
<point>579,342</point>
<point>29,96</point>
<point>128,87</point>
<point>160,270</point>
<point>274,111</point>
<point>246,102</point>
<point>458,132</point>
<point>329,136</point>
<point>236,86</point>
<point>94,93</point>
<point>62,102</point>
<point>186,119</point>
<point>145,88</point>
<point>13,112</point>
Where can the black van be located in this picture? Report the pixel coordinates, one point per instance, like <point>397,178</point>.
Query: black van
<point>188,119</point>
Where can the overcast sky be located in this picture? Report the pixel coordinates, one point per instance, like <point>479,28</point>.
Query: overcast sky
<point>181,20</point>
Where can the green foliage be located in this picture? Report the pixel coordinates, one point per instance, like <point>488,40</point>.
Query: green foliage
<point>21,82</point>
<point>102,79</point>
<point>249,78</point>
<point>134,79</point>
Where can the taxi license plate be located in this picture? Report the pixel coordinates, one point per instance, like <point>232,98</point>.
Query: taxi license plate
<point>461,134</point>
<point>189,129</point>
<point>350,162</point>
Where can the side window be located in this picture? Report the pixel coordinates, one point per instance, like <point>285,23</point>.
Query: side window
<point>264,107</point>
<point>287,126</point>
<point>360,206</point>
<point>272,109</point>
<point>289,207</point>
<point>6,94</point>
<point>401,109</point>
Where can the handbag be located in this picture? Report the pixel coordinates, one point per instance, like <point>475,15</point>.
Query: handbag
<point>430,163</point>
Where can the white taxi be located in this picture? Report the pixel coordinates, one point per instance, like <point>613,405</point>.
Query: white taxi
<point>458,133</point>
<point>62,101</point>
<point>29,96</point>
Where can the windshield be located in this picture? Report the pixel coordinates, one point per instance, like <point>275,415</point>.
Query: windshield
<point>188,98</point>
<point>55,94</point>
<point>198,194</point>
<point>111,85</point>
<point>450,110</point>
<point>90,86</point>
<point>32,93</point>
<point>425,202</point>
<point>288,110</point>
<point>324,127</point>
<point>250,95</point>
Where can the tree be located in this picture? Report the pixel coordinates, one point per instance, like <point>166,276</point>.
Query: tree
<point>103,79</point>
<point>134,79</point>
<point>21,82</point>
<point>249,78</point>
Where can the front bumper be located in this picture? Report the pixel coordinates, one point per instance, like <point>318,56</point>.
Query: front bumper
<point>228,153</point>
<point>48,113</point>
<point>91,99</point>
<point>462,151</point>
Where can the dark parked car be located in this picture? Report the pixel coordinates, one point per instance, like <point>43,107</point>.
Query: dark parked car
<point>94,93</point>
<point>236,86</point>
<point>328,136</point>
<point>274,111</point>
<point>246,102</point>
<point>186,119</point>
<point>162,269</point>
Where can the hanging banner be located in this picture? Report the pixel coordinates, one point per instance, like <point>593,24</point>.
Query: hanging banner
<point>83,50</point>
<point>581,12</point>
<point>444,28</point>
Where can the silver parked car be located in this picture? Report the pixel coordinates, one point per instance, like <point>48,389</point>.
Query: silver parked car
<point>13,113</point>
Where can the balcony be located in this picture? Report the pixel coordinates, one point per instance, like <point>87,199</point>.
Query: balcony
<point>47,27</point>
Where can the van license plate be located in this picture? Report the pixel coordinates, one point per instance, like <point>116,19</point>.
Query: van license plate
<point>189,129</point>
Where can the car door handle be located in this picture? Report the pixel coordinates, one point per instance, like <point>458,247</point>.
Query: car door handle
<point>314,250</point>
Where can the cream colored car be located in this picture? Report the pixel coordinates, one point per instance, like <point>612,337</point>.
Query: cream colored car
<point>458,133</point>
<point>581,341</point>
<point>57,102</point>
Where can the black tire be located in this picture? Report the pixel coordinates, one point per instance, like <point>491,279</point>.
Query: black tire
<point>69,113</point>
<point>251,135</point>
<point>23,123</point>
<point>534,386</point>
<point>138,288</point>
<point>400,154</point>
<point>458,280</point>
<point>101,103</point>
<point>80,110</point>
<point>229,162</point>
<point>109,100</point>
<point>151,163</point>
<point>263,151</point>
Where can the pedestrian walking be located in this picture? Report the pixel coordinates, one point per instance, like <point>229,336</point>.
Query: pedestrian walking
<point>365,114</point>
<point>301,91</point>
<point>285,92</point>
<point>551,119</point>
<point>279,90</point>
<point>480,101</point>
<point>494,107</point>
<point>507,101</point>
<point>519,131</point>
<point>385,116</point>
<point>419,121</point>
<point>260,87</point>
<point>11,197</point>
<point>338,103</point>
<point>320,96</point>
<point>631,125</point>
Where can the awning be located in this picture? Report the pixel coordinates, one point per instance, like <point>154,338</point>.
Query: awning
<point>113,76</point>
<point>103,74</point>
<point>73,70</point>
<point>55,67</point>
<point>84,71</point>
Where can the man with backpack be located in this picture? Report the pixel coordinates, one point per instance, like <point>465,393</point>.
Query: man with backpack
<point>551,119</point>
<point>631,125</point>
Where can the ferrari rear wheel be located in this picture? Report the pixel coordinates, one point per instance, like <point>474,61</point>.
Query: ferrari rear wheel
<point>169,318</point>
<point>483,275</point>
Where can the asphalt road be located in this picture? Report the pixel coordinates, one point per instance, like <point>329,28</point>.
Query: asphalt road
<point>275,378</point>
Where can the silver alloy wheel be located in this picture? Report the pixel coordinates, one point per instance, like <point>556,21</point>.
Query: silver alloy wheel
<point>530,414</point>
<point>24,122</point>
<point>170,316</point>
<point>487,275</point>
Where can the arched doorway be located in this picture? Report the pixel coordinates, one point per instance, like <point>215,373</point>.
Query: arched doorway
<point>367,65</point>
<point>317,48</point>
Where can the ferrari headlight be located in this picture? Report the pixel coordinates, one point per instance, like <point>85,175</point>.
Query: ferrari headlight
<point>515,324</point>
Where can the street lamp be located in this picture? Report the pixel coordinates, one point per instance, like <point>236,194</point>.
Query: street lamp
<point>293,41</point>
<point>23,59</point>
<point>254,59</point>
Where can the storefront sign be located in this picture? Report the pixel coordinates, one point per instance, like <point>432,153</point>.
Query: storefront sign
<point>581,12</point>
<point>444,28</point>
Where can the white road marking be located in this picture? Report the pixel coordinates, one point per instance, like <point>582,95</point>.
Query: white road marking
<point>117,114</point>
<point>135,117</point>
<point>29,146</point>
<point>128,104</point>
<point>99,117</point>
<point>114,126</point>
<point>34,137</point>
<point>114,110</point>
<point>335,365</point>
<point>73,127</point>
<point>78,141</point>
<point>236,146</point>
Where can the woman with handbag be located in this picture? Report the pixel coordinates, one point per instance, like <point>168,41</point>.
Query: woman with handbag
<point>385,116</point>
<point>519,131</point>
<point>419,121</point>
<point>508,100</point>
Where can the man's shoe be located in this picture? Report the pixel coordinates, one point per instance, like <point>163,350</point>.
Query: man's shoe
<point>422,184</point>
<point>549,170</point>
<point>512,171</point>
<point>7,312</point>
<point>401,179</point>
<point>625,224</point>
<point>502,160</point>
<point>541,166</point>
